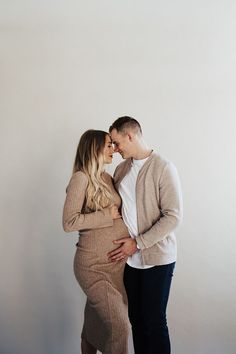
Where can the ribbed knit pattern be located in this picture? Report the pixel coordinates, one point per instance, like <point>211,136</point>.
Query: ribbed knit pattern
<point>106,325</point>
<point>159,208</point>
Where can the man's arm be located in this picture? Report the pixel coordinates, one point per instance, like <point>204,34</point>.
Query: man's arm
<point>127,248</point>
<point>73,218</point>
<point>171,209</point>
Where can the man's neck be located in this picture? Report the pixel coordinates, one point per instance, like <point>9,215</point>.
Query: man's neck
<point>142,154</point>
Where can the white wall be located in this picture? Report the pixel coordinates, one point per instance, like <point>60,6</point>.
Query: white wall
<point>67,66</point>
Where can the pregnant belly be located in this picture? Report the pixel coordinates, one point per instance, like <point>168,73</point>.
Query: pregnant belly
<point>119,229</point>
<point>100,241</point>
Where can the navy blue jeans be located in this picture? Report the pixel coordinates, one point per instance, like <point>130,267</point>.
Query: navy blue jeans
<point>148,292</point>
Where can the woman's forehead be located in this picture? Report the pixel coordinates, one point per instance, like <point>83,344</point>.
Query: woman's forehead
<point>108,139</point>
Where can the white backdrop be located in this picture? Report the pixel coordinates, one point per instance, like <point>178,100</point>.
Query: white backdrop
<point>67,66</point>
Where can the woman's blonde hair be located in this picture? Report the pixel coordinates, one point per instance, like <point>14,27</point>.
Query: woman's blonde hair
<point>90,160</point>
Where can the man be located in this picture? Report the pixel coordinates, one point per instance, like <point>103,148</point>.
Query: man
<point>151,208</point>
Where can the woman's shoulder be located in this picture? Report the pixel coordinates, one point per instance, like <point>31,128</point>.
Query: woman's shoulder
<point>79,177</point>
<point>77,180</point>
<point>79,174</point>
<point>107,176</point>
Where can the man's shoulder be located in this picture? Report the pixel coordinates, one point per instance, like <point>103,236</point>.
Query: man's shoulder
<point>162,166</point>
<point>159,165</point>
<point>158,160</point>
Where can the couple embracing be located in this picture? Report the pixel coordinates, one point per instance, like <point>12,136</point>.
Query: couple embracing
<point>126,252</point>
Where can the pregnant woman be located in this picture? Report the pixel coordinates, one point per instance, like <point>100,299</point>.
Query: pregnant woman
<point>92,208</point>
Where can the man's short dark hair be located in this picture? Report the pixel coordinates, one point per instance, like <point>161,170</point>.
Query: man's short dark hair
<point>125,123</point>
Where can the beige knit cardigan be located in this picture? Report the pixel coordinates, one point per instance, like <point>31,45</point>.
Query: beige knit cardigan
<point>159,208</point>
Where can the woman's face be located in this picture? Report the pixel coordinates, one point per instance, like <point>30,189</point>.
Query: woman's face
<point>108,150</point>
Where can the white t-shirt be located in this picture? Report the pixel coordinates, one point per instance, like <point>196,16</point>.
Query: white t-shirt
<point>127,190</point>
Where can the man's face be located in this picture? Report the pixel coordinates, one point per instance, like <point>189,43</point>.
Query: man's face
<point>122,143</point>
<point>108,150</point>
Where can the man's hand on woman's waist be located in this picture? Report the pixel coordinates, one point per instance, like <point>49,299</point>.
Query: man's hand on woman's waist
<point>127,248</point>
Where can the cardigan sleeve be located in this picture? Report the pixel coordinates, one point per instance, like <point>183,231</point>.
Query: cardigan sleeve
<point>73,218</point>
<point>170,207</point>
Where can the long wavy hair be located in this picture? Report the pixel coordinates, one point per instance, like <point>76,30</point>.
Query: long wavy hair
<point>90,160</point>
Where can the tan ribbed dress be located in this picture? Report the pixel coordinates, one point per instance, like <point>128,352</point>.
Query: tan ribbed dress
<point>106,325</point>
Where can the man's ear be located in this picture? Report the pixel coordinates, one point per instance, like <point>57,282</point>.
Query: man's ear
<point>130,136</point>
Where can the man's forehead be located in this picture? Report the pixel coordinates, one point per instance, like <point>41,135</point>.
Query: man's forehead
<point>115,136</point>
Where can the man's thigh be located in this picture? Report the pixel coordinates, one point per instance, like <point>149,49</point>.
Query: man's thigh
<point>155,289</point>
<point>132,282</point>
<point>148,290</point>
